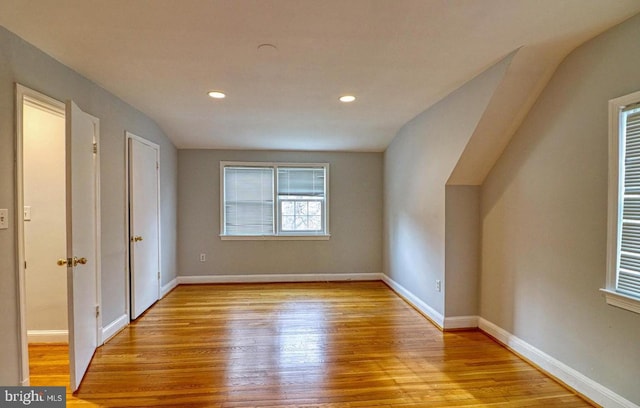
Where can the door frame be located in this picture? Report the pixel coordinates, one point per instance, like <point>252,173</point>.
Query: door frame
<point>129,136</point>
<point>22,92</point>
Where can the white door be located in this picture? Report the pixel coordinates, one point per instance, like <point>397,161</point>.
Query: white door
<point>83,263</point>
<point>144,224</point>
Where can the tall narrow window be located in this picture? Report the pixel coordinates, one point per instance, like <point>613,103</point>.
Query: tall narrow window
<point>274,200</point>
<point>629,262</point>
<point>623,274</point>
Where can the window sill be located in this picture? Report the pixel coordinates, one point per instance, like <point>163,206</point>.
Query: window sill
<point>621,300</point>
<point>324,237</point>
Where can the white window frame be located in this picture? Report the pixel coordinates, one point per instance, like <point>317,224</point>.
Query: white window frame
<point>278,234</point>
<point>614,220</point>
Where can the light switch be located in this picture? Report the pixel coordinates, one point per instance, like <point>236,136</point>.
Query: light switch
<point>27,213</point>
<point>4,218</point>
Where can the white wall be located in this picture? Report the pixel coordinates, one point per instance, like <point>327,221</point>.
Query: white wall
<point>417,165</point>
<point>544,220</point>
<point>45,233</point>
<point>20,62</point>
<point>355,203</point>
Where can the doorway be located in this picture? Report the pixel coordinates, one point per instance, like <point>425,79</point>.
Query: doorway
<point>43,141</point>
<point>43,226</point>
<point>59,292</point>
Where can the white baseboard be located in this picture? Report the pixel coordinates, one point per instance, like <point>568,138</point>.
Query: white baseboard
<point>278,278</point>
<point>460,322</point>
<point>436,317</point>
<point>168,287</point>
<point>48,336</point>
<point>114,327</point>
<point>572,378</point>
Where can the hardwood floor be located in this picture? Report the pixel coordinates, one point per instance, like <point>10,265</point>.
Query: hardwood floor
<point>298,345</point>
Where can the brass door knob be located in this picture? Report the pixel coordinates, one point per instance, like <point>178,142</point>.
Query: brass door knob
<point>81,261</point>
<point>137,238</point>
<point>75,261</point>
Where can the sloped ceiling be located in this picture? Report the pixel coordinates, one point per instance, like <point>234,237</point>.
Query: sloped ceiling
<point>523,81</point>
<point>397,56</point>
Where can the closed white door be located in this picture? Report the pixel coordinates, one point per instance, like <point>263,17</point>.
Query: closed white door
<point>144,226</point>
<point>83,252</point>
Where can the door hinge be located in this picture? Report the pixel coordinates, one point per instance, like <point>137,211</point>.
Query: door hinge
<point>95,148</point>
<point>158,275</point>
<point>25,264</point>
<point>157,165</point>
<point>97,310</point>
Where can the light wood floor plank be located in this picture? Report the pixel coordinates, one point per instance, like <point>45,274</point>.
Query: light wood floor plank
<point>336,345</point>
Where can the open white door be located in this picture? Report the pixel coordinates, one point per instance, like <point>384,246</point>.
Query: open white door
<point>83,251</point>
<point>144,224</point>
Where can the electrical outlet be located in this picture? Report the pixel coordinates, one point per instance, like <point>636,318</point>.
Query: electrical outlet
<point>4,218</point>
<point>203,257</point>
<point>438,285</point>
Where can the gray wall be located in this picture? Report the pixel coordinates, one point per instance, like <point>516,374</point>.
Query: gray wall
<point>462,250</point>
<point>417,165</point>
<point>355,218</point>
<point>20,62</point>
<point>544,220</point>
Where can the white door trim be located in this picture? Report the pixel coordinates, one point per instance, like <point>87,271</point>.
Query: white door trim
<point>128,136</point>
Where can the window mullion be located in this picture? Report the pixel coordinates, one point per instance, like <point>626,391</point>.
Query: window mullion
<point>276,200</point>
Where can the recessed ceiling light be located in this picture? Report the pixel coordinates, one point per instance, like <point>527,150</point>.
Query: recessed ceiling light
<point>217,95</point>
<point>347,98</point>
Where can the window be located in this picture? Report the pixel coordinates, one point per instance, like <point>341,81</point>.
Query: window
<point>274,201</point>
<point>623,265</point>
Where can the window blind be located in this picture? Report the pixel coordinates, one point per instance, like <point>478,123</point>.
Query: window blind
<point>628,265</point>
<point>304,182</point>
<point>248,201</point>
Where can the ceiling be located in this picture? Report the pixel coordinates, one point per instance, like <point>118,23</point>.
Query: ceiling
<point>398,57</point>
